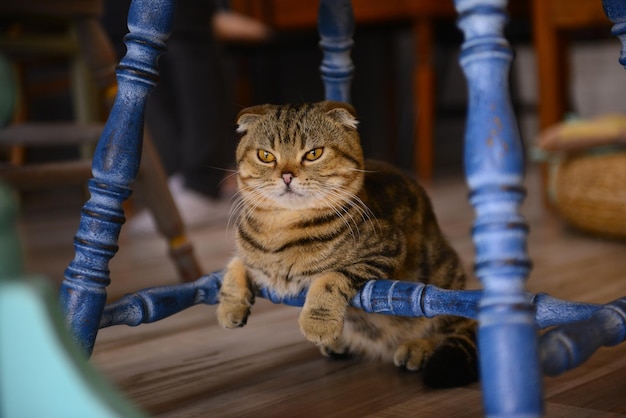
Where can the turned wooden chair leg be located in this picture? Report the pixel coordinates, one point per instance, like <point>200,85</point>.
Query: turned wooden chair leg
<point>152,181</point>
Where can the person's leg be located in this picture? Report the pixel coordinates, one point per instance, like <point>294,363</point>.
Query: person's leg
<point>163,120</point>
<point>207,142</point>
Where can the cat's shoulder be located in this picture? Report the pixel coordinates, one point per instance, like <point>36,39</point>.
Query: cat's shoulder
<point>383,180</point>
<point>380,171</point>
<point>394,195</point>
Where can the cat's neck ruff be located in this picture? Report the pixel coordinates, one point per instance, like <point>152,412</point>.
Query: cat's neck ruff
<point>285,217</point>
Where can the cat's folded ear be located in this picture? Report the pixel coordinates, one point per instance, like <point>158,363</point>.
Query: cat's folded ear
<point>341,112</point>
<point>248,116</point>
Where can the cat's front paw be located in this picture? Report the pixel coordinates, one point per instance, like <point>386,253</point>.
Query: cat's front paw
<point>236,296</point>
<point>321,327</point>
<point>233,314</point>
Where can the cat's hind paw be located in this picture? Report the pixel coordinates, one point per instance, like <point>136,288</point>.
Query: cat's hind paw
<point>454,363</point>
<point>337,352</point>
<point>413,354</point>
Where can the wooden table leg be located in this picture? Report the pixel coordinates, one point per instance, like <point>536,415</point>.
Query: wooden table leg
<point>424,99</point>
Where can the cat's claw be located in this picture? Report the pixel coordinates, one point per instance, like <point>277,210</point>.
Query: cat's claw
<point>413,354</point>
<point>336,352</point>
<point>321,331</point>
<point>232,315</point>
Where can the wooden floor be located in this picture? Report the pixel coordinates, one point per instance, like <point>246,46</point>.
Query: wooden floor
<point>187,366</point>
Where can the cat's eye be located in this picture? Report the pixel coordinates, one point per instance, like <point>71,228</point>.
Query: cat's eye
<point>266,156</point>
<point>314,154</point>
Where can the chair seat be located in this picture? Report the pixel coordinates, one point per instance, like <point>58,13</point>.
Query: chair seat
<point>50,134</point>
<point>53,134</point>
<point>37,176</point>
<point>54,7</point>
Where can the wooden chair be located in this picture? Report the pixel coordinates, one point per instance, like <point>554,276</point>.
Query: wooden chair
<point>553,22</point>
<point>85,43</point>
<point>512,357</point>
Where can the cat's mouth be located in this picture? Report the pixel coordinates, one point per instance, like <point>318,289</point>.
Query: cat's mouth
<point>288,191</point>
<point>292,198</point>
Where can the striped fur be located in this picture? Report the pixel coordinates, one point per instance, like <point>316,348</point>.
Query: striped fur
<point>312,214</point>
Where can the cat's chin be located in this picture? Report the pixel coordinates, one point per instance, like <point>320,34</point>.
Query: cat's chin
<point>282,202</point>
<point>294,203</point>
<point>290,200</point>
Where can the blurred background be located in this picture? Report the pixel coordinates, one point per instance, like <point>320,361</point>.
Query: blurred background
<point>274,57</point>
<point>408,88</point>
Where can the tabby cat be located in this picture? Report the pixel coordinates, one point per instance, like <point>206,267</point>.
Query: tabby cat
<point>313,214</point>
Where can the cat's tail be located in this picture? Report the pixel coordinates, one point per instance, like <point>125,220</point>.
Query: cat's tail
<point>455,361</point>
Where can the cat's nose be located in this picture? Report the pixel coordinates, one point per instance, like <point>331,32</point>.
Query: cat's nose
<point>287,177</point>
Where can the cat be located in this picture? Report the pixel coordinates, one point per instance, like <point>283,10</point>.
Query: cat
<point>313,214</point>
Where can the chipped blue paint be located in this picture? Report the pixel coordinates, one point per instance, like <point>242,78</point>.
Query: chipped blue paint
<point>114,168</point>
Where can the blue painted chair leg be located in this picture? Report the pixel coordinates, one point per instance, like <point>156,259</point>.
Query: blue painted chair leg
<point>615,10</point>
<point>336,26</point>
<point>115,166</point>
<point>568,346</point>
<point>494,164</point>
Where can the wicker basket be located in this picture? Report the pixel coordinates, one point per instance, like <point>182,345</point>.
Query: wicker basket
<point>589,190</point>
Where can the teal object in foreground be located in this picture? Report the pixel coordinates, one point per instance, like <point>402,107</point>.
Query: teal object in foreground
<point>42,373</point>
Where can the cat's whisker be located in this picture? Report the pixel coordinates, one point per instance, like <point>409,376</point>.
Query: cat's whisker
<point>360,170</point>
<point>341,213</point>
<point>234,214</point>
<point>337,203</point>
<point>367,213</point>
<point>242,208</point>
<point>252,204</point>
<point>358,204</point>
<point>227,177</point>
<point>213,167</point>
